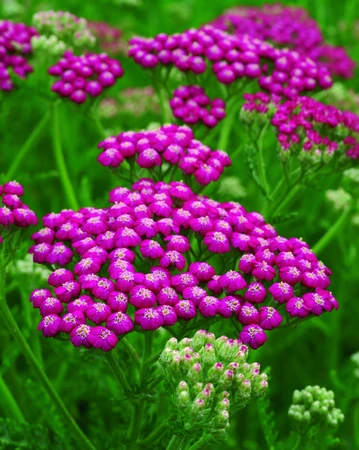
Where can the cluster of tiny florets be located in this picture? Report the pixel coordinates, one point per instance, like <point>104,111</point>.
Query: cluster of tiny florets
<point>192,105</point>
<point>15,45</point>
<point>171,144</point>
<point>153,250</point>
<point>232,58</point>
<point>289,27</point>
<point>315,406</point>
<point>14,213</point>
<point>207,379</point>
<point>84,75</point>
<point>110,39</point>
<point>73,31</point>
<point>317,127</point>
<point>307,124</point>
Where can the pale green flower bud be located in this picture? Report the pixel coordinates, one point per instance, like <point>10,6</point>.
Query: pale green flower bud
<point>199,340</point>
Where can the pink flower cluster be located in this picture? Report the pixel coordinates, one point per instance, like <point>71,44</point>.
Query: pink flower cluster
<point>310,124</point>
<point>147,260</point>
<point>15,44</point>
<point>170,144</point>
<point>84,75</point>
<point>110,38</point>
<point>192,105</point>
<point>290,27</point>
<point>232,58</point>
<point>14,213</point>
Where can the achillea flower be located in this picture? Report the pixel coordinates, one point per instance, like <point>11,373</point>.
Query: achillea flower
<point>207,379</point>
<point>171,144</point>
<point>109,38</point>
<point>290,27</point>
<point>15,46</point>
<point>192,105</point>
<point>313,406</point>
<point>232,58</point>
<point>16,215</point>
<point>309,127</point>
<point>85,75</point>
<point>69,30</point>
<point>169,278</point>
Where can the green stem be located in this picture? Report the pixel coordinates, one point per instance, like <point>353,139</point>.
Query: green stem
<point>8,403</point>
<point>136,422</point>
<point>146,358</point>
<point>60,160</point>
<point>356,423</point>
<point>31,140</point>
<point>334,230</point>
<point>227,125</point>
<point>155,435</point>
<point>118,371</point>
<point>200,443</point>
<point>99,127</point>
<point>131,351</point>
<point>175,443</point>
<point>280,191</point>
<point>293,191</point>
<point>261,164</point>
<point>15,332</point>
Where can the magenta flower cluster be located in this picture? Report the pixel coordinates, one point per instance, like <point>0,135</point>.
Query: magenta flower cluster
<point>171,144</point>
<point>192,105</point>
<point>290,27</point>
<point>232,58</point>
<point>147,260</point>
<point>14,213</point>
<point>15,45</point>
<point>310,124</point>
<point>85,75</point>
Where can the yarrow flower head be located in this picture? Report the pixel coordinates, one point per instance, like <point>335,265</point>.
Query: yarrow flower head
<point>83,76</point>
<point>192,105</point>
<point>15,47</point>
<point>290,27</point>
<point>69,30</point>
<point>208,379</point>
<point>110,39</point>
<point>14,213</point>
<point>232,58</point>
<point>150,256</point>
<point>171,144</point>
<point>315,406</point>
<point>308,126</point>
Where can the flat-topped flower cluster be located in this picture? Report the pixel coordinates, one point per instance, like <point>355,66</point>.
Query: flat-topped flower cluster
<point>15,46</point>
<point>14,213</point>
<point>73,31</point>
<point>232,58</point>
<point>192,105</point>
<point>306,123</point>
<point>149,259</point>
<point>84,75</point>
<point>171,144</point>
<point>290,27</point>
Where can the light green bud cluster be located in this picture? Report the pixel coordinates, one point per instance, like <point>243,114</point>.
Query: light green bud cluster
<point>50,45</point>
<point>26,266</point>
<point>232,186</point>
<point>69,30</point>
<point>351,181</point>
<point>207,378</point>
<point>355,359</point>
<point>338,198</point>
<point>315,406</point>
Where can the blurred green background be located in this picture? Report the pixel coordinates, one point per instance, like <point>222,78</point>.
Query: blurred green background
<point>317,352</point>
